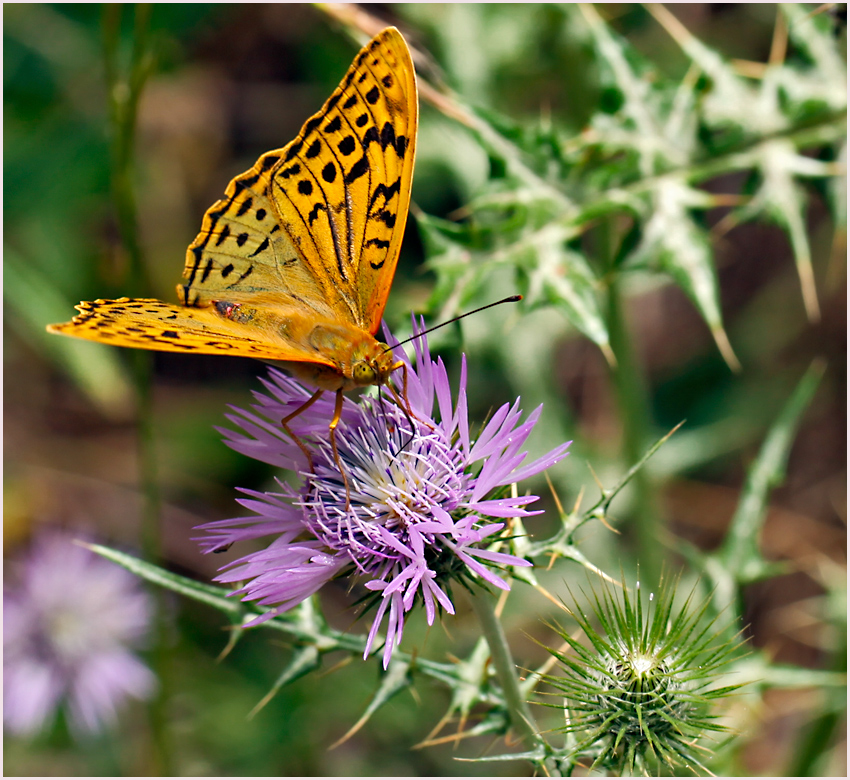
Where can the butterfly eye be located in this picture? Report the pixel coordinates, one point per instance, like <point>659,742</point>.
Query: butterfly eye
<point>363,373</point>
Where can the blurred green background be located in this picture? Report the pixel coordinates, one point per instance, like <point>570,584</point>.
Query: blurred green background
<point>229,82</point>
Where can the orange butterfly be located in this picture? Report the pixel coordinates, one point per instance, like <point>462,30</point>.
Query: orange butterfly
<point>295,263</point>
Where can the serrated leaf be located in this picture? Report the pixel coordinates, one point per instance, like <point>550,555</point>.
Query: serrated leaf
<point>562,278</point>
<point>785,203</point>
<point>731,100</point>
<point>814,36</point>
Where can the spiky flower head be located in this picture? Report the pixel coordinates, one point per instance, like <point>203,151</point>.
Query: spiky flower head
<point>418,509</point>
<point>70,621</point>
<point>641,694</point>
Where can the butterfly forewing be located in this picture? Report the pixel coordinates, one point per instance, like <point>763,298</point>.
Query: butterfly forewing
<point>319,223</point>
<point>349,173</point>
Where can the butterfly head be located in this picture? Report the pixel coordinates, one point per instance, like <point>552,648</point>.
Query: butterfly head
<point>375,367</point>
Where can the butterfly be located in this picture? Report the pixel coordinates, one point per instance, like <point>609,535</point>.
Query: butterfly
<point>294,265</point>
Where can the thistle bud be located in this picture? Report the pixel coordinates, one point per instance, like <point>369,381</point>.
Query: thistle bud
<point>641,694</point>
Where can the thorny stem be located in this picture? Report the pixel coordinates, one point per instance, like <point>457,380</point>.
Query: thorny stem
<point>500,654</point>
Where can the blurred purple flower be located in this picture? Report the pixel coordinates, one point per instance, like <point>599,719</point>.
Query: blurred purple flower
<point>69,619</point>
<point>420,500</point>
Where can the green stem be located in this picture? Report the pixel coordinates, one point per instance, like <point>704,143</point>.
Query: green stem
<point>633,401</point>
<point>500,654</point>
<point>123,94</point>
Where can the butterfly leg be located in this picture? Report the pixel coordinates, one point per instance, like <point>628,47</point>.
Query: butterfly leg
<point>403,401</point>
<point>404,405</point>
<point>332,430</point>
<point>306,405</point>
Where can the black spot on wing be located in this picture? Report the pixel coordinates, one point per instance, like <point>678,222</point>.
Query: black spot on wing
<point>314,212</point>
<point>207,269</point>
<point>314,150</point>
<point>347,145</point>
<point>223,235</point>
<point>387,193</point>
<point>387,136</point>
<point>261,248</point>
<point>357,170</point>
<point>329,172</point>
<point>311,125</point>
<point>227,270</point>
<point>241,239</point>
<point>387,217</point>
<point>243,184</point>
<point>305,187</point>
<point>293,150</point>
<point>244,207</point>
<point>379,243</point>
<point>261,215</point>
<point>372,96</point>
<point>371,136</point>
<point>268,161</point>
<point>350,103</point>
<point>334,125</point>
<point>361,120</point>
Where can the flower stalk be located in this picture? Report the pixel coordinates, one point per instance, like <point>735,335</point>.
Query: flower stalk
<point>500,654</point>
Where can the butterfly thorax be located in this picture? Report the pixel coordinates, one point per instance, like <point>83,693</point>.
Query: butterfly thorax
<point>337,355</point>
<point>359,359</point>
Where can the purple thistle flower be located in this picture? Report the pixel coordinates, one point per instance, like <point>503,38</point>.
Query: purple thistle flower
<point>419,503</point>
<point>68,623</point>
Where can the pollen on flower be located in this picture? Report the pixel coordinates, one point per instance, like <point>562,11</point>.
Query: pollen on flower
<point>419,508</point>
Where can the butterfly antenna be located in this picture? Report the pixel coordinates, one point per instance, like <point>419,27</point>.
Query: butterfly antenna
<point>509,299</point>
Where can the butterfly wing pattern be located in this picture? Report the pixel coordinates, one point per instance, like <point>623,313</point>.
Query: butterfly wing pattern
<point>295,263</point>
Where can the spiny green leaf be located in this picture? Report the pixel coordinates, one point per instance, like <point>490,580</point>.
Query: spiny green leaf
<point>395,679</point>
<point>673,243</point>
<point>739,553</point>
<point>303,661</point>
